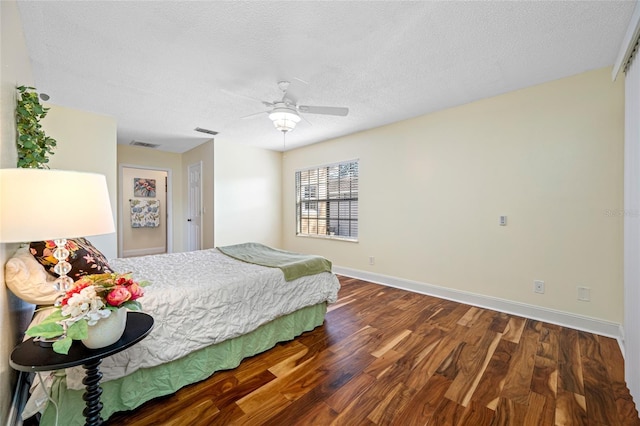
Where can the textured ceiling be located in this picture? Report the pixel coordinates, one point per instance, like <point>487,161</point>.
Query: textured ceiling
<point>162,68</point>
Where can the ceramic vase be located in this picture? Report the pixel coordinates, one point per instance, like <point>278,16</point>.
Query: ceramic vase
<point>107,331</point>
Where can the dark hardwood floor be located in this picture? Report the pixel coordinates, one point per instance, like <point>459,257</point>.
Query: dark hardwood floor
<point>390,357</point>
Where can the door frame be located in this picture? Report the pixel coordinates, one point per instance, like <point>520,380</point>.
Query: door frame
<point>121,204</point>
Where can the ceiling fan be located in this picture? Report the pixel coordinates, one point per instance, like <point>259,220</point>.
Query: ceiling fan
<point>285,113</point>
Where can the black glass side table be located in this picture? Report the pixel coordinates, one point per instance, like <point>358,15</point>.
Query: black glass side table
<point>31,357</point>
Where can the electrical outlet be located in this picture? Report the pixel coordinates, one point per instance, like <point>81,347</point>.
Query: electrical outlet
<point>372,260</point>
<point>584,294</point>
<point>538,286</point>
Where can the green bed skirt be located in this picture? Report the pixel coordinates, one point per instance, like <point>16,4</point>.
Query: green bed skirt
<point>145,384</point>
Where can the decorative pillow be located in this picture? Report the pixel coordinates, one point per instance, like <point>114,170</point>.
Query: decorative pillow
<point>27,279</point>
<point>84,258</point>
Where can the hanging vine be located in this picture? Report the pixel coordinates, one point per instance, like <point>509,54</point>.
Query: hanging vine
<point>34,146</point>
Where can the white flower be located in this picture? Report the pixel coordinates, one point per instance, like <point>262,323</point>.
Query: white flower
<point>87,305</point>
<point>94,316</point>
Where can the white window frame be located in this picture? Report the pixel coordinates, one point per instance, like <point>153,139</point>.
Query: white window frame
<point>333,189</point>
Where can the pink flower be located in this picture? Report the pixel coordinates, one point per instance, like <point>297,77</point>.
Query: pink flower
<point>136,291</point>
<point>118,295</point>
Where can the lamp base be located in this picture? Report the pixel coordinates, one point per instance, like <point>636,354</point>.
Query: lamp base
<point>63,283</point>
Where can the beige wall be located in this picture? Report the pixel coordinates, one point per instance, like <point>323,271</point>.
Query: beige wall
<point>238,206</point>
<point>247,192</point>
<point>146,240</point>
<point>204,153</point>
<point>550,157</point>
<point>15,71</point>
<point>86,142</point>
<point>146,157</point>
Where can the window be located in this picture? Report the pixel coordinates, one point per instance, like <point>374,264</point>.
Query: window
<point>310,193</point>
<point>327,201</point>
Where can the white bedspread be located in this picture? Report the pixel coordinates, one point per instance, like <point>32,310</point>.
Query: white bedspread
<point>204,297</point>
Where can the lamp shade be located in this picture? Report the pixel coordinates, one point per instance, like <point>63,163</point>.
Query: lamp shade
<point>284,119</point>
<point>37,204</point>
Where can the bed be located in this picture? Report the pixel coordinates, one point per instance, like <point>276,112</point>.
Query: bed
<point>211,310</point>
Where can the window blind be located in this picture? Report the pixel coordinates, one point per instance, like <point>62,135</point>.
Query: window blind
<point>632,56</point>
<point>327,201</point>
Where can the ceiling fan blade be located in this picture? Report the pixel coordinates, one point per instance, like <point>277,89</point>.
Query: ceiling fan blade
<point>295,91</point>
<point>265,103</point>
<point>255,114</point>
<point>341,111</point>
<point>305,120</point>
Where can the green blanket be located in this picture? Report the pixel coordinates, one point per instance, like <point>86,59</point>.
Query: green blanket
<point>293,265</point>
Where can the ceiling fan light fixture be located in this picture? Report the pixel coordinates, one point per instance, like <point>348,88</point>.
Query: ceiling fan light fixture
<point>284,119</point>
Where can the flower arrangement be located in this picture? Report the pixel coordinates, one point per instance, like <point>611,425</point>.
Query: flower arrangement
<point>92,298</point>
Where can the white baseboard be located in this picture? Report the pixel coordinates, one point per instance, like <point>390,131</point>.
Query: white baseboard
<point>144,251</point>
<point>565,319</point>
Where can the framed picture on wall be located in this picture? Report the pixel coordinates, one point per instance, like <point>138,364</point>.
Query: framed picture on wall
<point>144,187</point>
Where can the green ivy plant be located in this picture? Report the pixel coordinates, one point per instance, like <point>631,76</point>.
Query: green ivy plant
<point>34,146</point>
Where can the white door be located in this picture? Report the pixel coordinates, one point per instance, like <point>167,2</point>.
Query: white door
<point>194,215</point>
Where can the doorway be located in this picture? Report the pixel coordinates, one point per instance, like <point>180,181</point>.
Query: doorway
<point>145,211</point>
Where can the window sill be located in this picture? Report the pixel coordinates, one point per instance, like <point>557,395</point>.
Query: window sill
<point>328,237</point>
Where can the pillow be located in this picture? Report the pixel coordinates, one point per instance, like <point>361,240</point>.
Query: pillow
<point>27,279</point>
<point>84,258</point>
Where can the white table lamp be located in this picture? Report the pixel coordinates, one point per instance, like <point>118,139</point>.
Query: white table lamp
<point>39,204</point>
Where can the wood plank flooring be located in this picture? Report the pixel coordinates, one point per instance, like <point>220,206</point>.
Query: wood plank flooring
<point>389,357</point>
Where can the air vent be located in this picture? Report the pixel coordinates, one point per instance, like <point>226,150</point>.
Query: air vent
<point>144,144</point>
<point>201,130</point>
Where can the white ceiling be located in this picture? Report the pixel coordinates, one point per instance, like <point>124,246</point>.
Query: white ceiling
<point>162,68</point>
